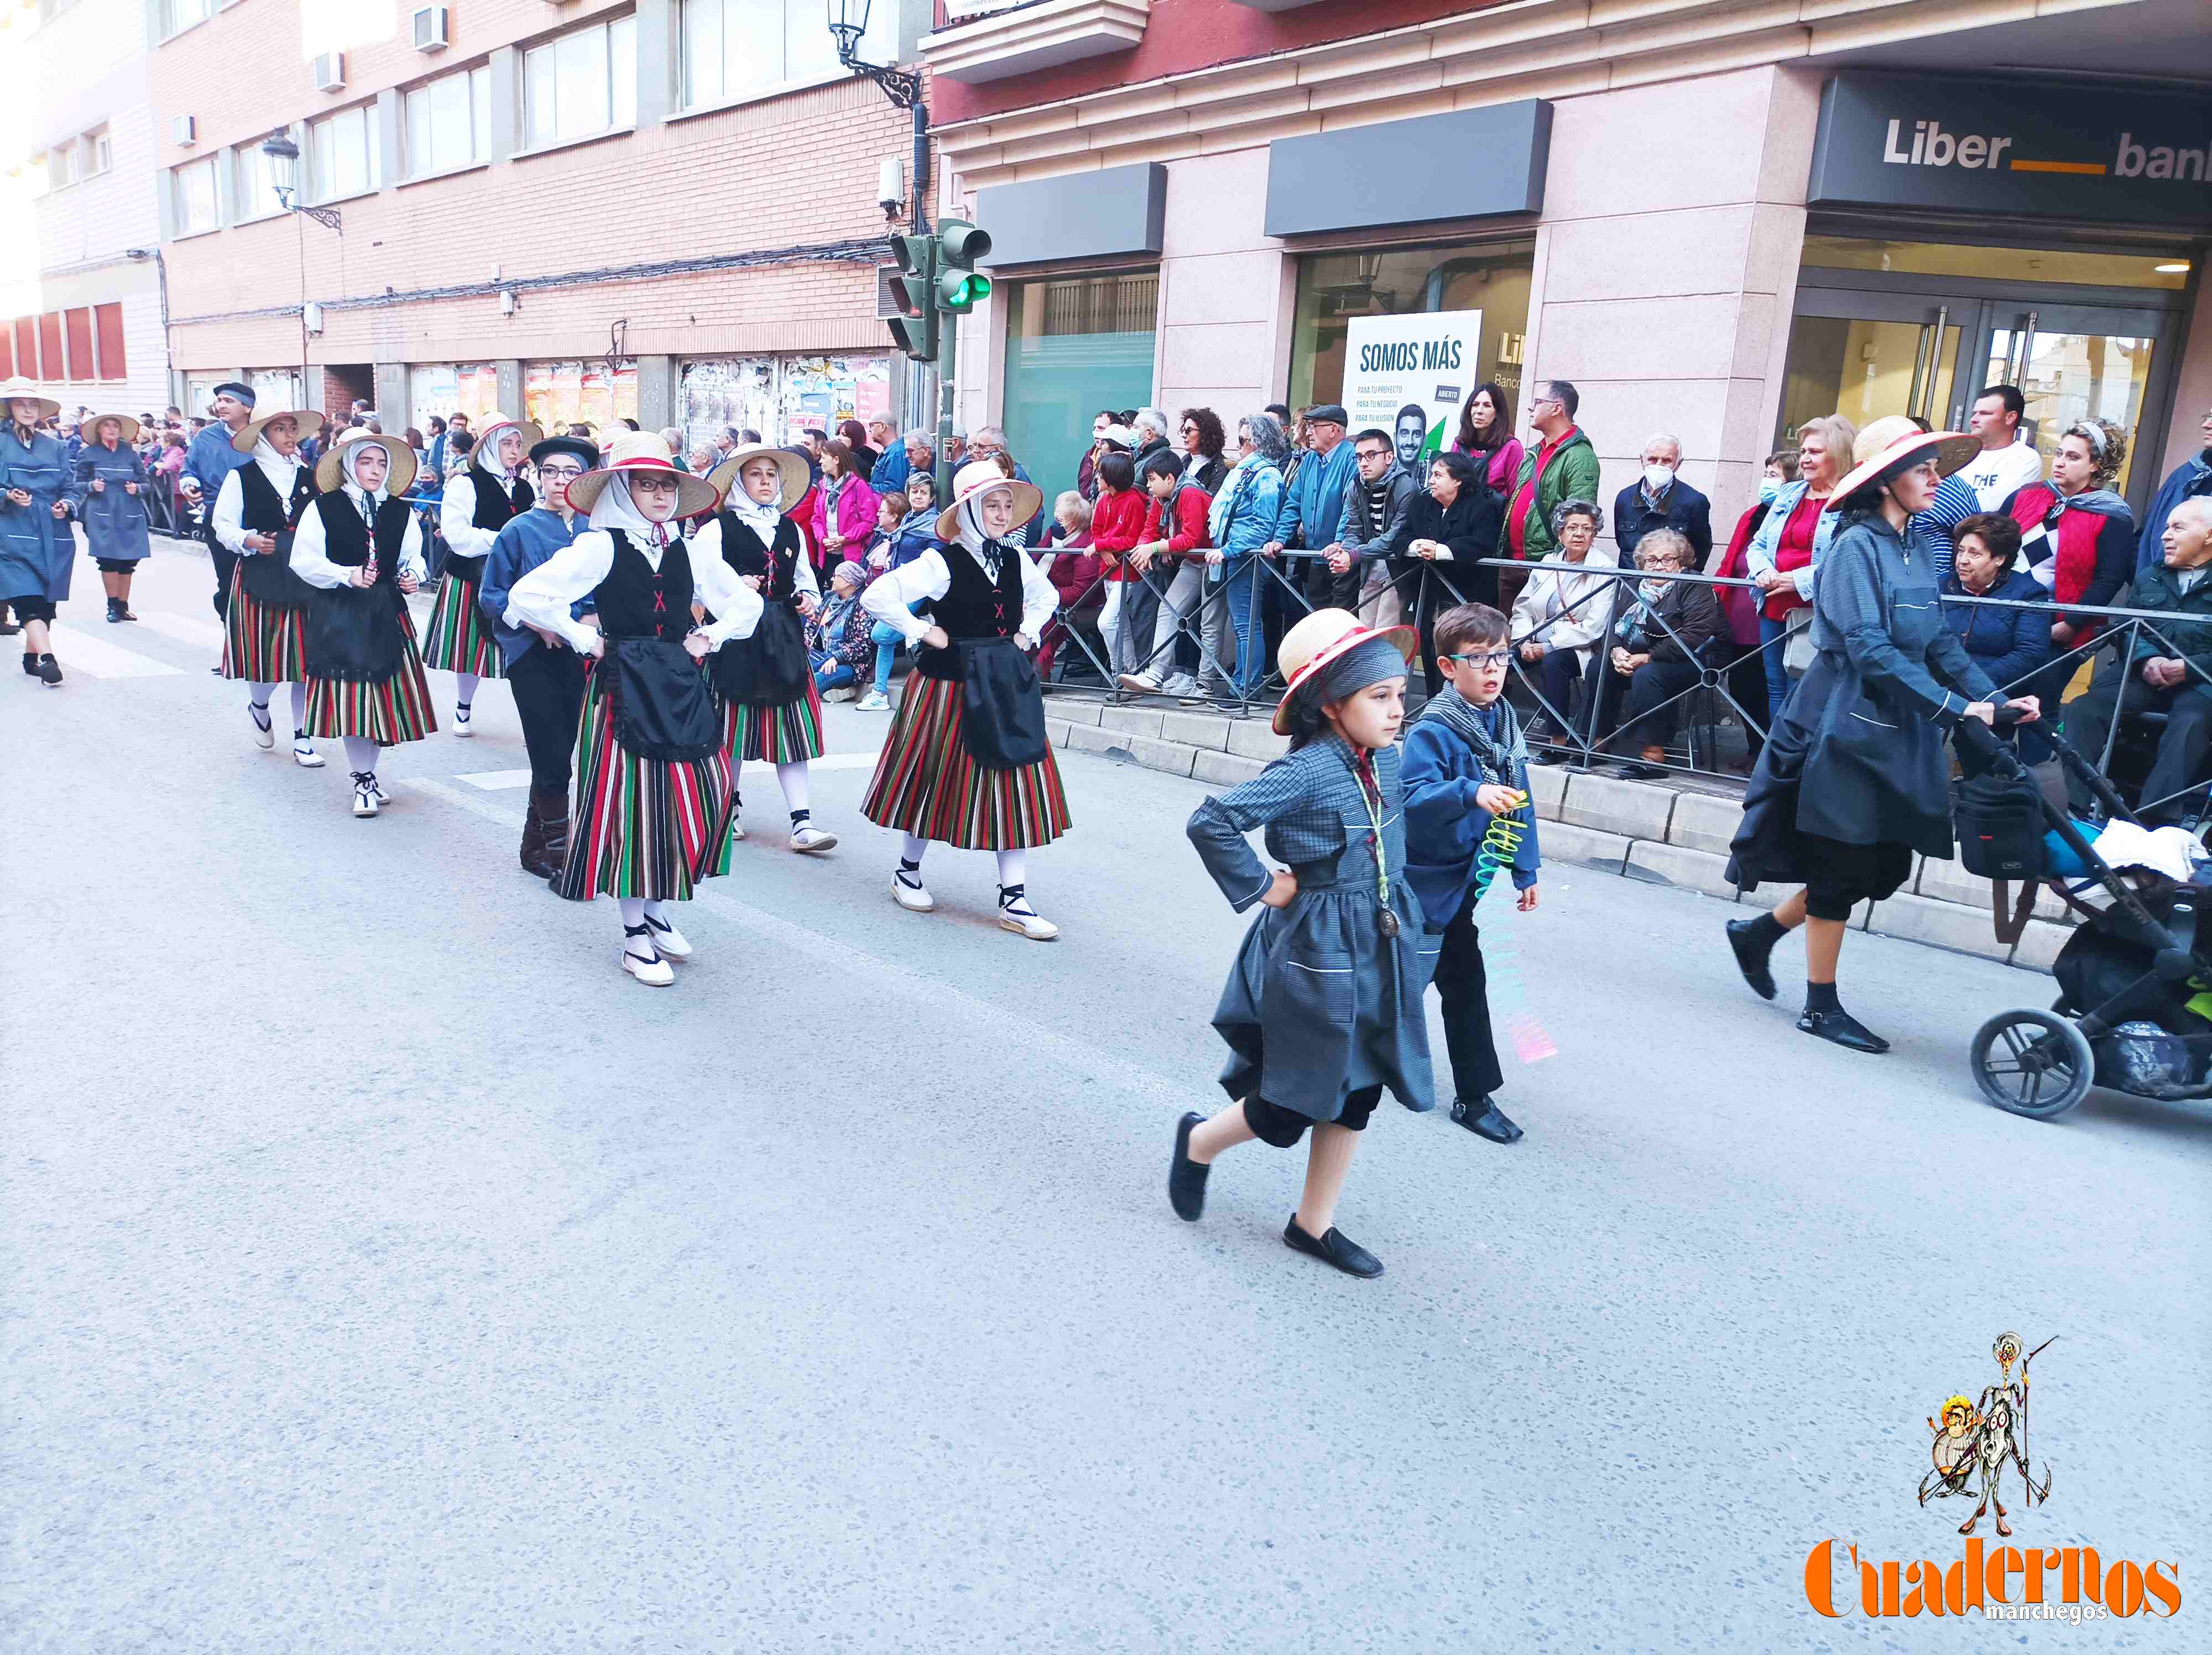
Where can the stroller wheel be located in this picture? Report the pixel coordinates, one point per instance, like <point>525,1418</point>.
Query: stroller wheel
<point>2032,1063</point>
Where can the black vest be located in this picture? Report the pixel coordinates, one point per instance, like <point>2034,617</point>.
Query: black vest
<point>972,606</point>
<point>494,505</point>
<point>776,565</point>
<point>261,511</point>
<point>345,536</point>
<point>636,601</point>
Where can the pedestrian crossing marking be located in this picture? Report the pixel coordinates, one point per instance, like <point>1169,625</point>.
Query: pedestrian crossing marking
<point>81,652</point>
<point>184,628</point>
<point>493,781</point>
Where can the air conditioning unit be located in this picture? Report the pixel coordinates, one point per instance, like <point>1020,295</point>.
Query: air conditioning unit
<point>887,306</point>
<point>433,28</point>
<point>183,130</point>
<point>329,72</point>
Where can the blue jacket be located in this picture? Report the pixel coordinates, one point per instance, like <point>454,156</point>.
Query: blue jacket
<point>2191,477</point>
<point>2006,643</point>
<point>1758,556</point>
<point>1313,505</point>
<point>523,542</point>
<point>1444,826</point>
<point>210,458</point>
<point>892,469</point>
<point>1243,514</point>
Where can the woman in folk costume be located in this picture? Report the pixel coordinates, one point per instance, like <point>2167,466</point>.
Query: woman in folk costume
<point>36,548</point>
<point>545,674</point>
<point>359,547</point>
<point>771,711</point>
<point>653,786</point>
<point>966,760</point>
<point>109,496</point>
<point>265,628</point>
<point>474,507</point>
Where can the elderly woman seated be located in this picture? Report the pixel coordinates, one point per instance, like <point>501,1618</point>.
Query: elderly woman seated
<point>2009,644</point>
<point>1563,614</point>
<point>1658,649</point>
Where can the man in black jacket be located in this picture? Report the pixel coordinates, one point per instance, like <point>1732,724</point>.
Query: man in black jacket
<point>1661,500</point>
<point>1375,502</point>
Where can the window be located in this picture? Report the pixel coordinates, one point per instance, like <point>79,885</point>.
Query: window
<point>1074,345</point>
<point>342,148</point>
<point>1333,288</point>
<point>196,205</point>
<point>61,166</point>
<point>254,190</point>
<point>8,354</point>
<point>77,328</point>
<point>27,347</point>
<point>98,157</point>
<point>732,48</point>
<point>580,84</point>
<point>50,348</point>
<point>178,15</point>
<point>107,336</point>
<point>448,123</point>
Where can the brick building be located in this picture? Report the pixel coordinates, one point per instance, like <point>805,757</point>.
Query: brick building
<point>662,209</point>
<point>1717,218</point>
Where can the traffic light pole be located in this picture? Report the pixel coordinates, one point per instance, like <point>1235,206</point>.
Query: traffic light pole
<point>948,333</point>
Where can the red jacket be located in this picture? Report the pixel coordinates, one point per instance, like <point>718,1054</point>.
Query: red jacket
<point>1188,506</point>
<point>1117,523</point>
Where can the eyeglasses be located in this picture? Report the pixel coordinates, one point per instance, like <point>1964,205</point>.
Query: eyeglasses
<point>1374,453</point>
<point>560,474</point>
<point>1491,658</point>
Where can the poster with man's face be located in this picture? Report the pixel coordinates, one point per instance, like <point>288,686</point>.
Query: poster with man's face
<point>1410,376</point>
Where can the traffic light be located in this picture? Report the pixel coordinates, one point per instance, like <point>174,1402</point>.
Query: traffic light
<point>916,326</point>
<point>959,247</point>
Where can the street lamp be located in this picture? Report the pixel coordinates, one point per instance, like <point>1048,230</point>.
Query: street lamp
<point>284,178</point>
<point>848,22</point>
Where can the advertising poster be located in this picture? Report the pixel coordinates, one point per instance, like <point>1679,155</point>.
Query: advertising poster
<point>560,394</point>
<point>1410,376</point>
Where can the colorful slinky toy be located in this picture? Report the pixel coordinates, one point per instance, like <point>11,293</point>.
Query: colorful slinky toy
<point>1509,992</point>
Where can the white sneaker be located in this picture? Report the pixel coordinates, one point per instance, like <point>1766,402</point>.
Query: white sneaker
<point>843,692</point>
<point>736,829</point>
<point>669,942</point>
<point>811,841</point>
<point>1018,915</point>
<point>461,721</point>
<point>265,727</point>
<point>648,968</point>
<point>1182,684</point>
<point>303,753</point>
<point>874,702</point>
<point>912,897</point>
<point>366,797</point>
<point>1143,684</point>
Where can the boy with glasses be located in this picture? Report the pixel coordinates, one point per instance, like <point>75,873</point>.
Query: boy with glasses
<point>1466,767</point>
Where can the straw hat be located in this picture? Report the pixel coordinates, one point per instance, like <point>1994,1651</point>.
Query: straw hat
<point>643,451</point>
<point>19,388</point>
<point>980,476</point>
<point>329,479</point>
<point>790,468</point>
<point>487,430</point>
<point>127,428</point>
<point>1888,442</point>
<point>249,433</point>
<point>1325,635</point>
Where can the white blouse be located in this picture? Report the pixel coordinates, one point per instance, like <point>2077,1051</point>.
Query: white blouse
<point>308,545</point>
<point>230,530</point>
<point>542,598</point>
<point>457,510</point>
<point>890,597</point>
<point>707,543</point>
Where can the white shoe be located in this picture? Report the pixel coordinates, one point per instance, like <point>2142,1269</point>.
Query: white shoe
<point>649,969</point>
<point>811,841</point>
<point>265,727</point>
<point>366,797</point>
<point>1180,685</point>
<point>912,897</point>
<point>1018,915</point>
<point>303,754</point>
<point>736,829</point>
<point>461,721</point>
<point>874,702</point>
<point>1143,684</point>
<point>843,692</point>
<point>667,940</point>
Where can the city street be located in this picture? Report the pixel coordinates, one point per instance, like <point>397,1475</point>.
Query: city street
<point>386,1271</point>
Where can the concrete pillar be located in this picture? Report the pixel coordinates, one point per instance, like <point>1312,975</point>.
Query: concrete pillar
<point>387,138</point>
<point>658,394</point>
<point>391,396</point>
<point>506,67</point>
<point>510,388</point>
<point>658,64</point>
<point>226,185</point>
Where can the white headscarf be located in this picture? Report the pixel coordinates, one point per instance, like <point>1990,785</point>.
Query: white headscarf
<point>485,453</point>
<point>985,551</point>
<point>349,455</point>
<point>281,470</point>
<point>615,510</point>
<point>762,519</point>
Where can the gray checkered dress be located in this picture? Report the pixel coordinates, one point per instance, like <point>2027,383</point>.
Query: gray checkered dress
<point>1320,1003</point>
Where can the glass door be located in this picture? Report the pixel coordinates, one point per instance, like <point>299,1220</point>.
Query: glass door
<point>1867,354</point>
<point>2072,362</point>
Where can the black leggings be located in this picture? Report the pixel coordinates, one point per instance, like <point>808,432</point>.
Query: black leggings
<point>1283,1127</point>
<point>32,609</point>
<point>1848,875</point>
<point>548,685</point>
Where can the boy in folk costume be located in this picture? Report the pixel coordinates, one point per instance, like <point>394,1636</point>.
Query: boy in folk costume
<point>1323,1007</point>
<point>265,627</point>
<point>472,510</point>
<point>358,545</point>
<point>545,674</point>
<point>653,786</point>
<point>771,710</point>
<point>966,760</point>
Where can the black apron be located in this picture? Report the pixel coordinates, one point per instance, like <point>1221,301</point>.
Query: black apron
<point>662,710</point>
<point>268,575</point>
<point>768,669</point>
<point>354,632</point>
<point>1002,704</point>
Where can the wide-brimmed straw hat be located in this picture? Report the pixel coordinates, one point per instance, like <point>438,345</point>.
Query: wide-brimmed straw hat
<point>328,477</point>
<point>16,388</point>
<point>126,426</point>
<point>980,476</point>
<point>249,433</point>
<point>633,452</point>
<point>1888,442</point>
<point>790,469</point>
<point>490,423</point>
<point>1325,635</point>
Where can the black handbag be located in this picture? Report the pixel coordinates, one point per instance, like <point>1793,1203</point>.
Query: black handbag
<point>1002,705</point>
<point>768,669</point>
<point>353,633</point>
<point>662,710</point>
<point>1999,821</point>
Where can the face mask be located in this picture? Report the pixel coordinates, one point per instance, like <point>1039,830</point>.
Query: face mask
<point>1656,477</point>
<point>1768,487</point>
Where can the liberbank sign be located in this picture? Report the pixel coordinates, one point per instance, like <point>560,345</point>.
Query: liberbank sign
<point>2015,149</point>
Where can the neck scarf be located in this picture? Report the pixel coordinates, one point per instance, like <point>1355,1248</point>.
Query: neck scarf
<point>1371,502</point>
<point>989,554</point>
<point>615,510</point>
<point>762,519</point>
<point>281,470</point>
<point>1492,732</point>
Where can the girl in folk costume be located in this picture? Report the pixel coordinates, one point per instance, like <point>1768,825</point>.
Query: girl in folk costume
<point>771,711</point>
<point>109,498</point>
<point>359,547</point>
<point>1323,1008</point>
<point>966,760</point>
<point>36,548</point>
<point>265,628</point>
<point>546,675</point>
<point>652,786</point>
<point>474,507</point>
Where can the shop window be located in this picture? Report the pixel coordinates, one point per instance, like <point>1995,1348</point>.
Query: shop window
<point>2168,270</point>
<point>107,337</point>
<point>342,149</point>
<point>76,329</point>
<point>780,396</point>
<point>50,366</point>
<point>448,123</point>
<point>1333,288</point>
<point>732,48</point>
<point>1073,347</point>
<point>196,196</point>
<point>582,83</point>
<point>557,395</point>
<point>448,388</point>
<point>8,354</point>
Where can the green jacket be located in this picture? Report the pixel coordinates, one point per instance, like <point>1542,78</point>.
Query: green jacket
<point>1572,475</point>
<point>2156,587</point>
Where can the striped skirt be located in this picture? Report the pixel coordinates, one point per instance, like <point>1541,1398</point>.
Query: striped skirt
<point>639,827</point>
<point>927,784</point>
<point>774,735</point>
<point>387,713</point>
<point>262,643</point>
<point>459,639</point>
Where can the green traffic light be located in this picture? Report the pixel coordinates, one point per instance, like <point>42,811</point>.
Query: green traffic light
<point>958,290</point>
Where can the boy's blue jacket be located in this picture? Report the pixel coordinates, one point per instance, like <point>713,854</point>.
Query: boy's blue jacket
<point>1444,826</point>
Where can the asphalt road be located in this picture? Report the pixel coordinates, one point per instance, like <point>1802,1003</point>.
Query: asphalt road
<point>385,1271</point>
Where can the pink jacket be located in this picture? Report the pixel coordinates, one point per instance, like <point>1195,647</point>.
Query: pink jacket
<point>856,518</point>
<point>1505,466</point>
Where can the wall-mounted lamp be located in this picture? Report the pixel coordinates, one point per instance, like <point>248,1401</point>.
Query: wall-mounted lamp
<point>507,301</point>
<point>312,315</point>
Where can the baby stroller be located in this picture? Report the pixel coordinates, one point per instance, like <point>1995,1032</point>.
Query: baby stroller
<point>2123,1018</point>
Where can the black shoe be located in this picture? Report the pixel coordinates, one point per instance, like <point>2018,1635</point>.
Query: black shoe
<point>30,665</point>
<point>1751,958</point>
<point>50,672</point>
<point>1846,1031</point>
<point>1186,1177</point>
<point>115,611</point>
<point>1335,1248</point>
<point>1486,1120</point>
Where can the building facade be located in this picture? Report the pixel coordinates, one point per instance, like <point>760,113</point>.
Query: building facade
<point>1717,220</point>
<point>83,313</point>
<point>657,209</point>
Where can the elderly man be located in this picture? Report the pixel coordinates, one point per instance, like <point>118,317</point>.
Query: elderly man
<point>2168,670</point>
<point>1661,500</point>
<point>989,443</point>
<point>1153,433</point>
<point>208,461</point>
<point>2190,480</point>
<point>1313,501</point>
<point>891,462</point>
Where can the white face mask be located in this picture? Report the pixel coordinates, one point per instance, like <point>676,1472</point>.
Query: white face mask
<point>1768,487</point>
<point>1656,477</point>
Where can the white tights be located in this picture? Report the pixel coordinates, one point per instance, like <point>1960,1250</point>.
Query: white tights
<point>262,693</point>
<point>634,910</point>
<point>792,778</point>
<point>467,690</point>
<point>360,755</point>
<point>1013,865</point>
